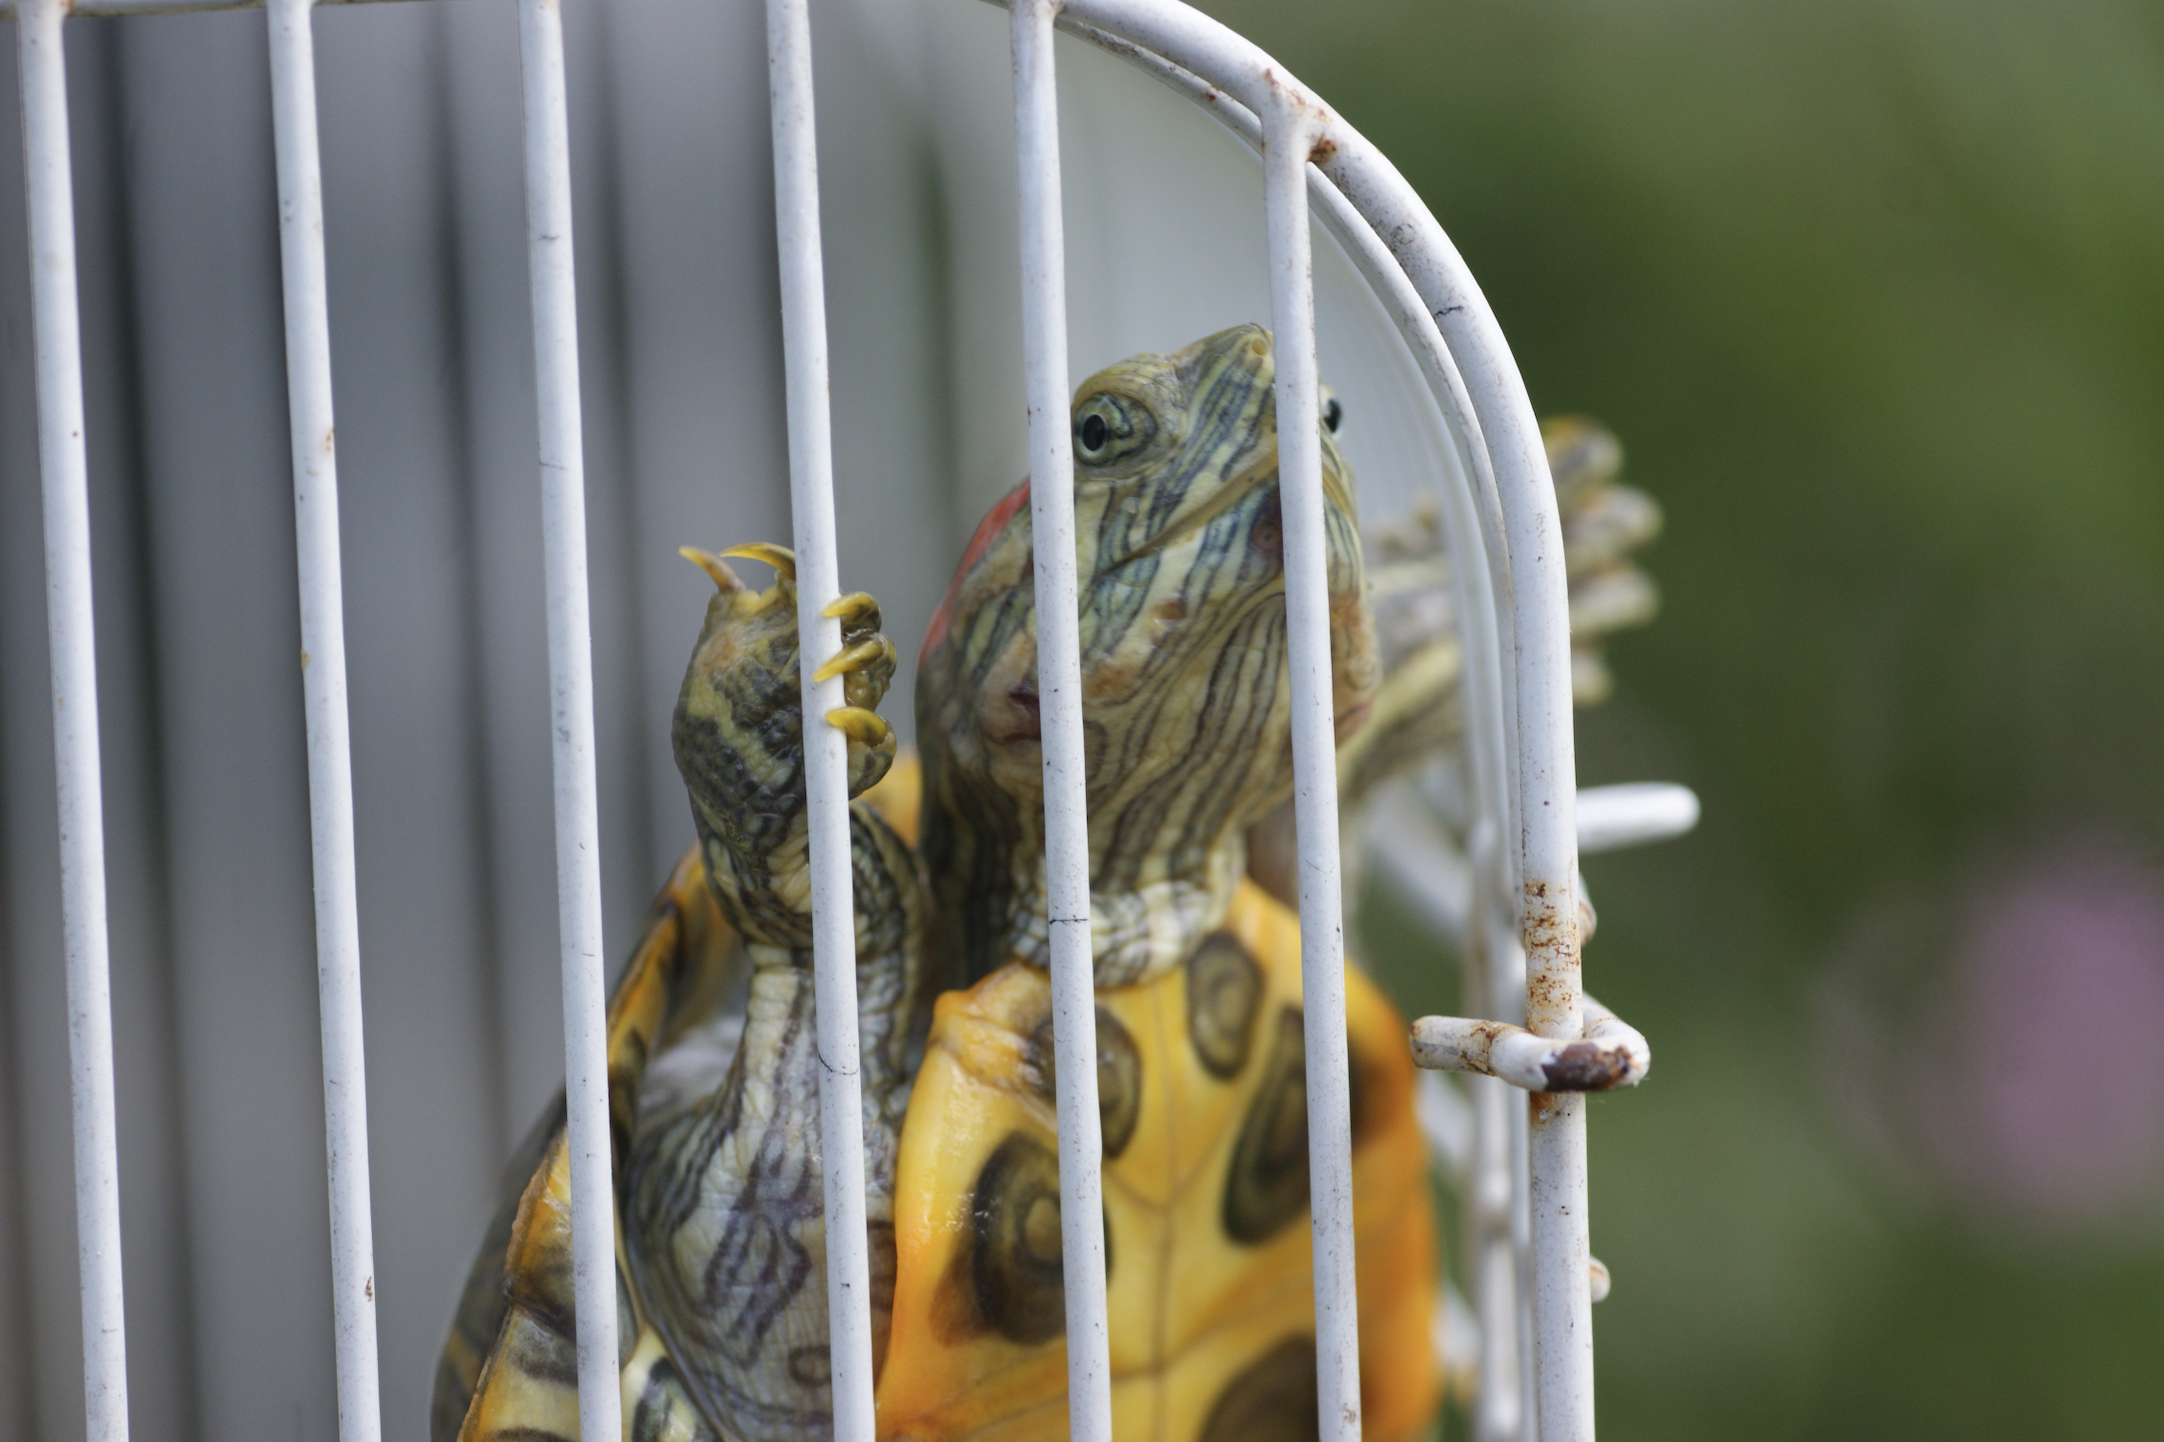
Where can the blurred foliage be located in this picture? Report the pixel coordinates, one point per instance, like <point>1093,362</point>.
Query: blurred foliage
<point>1874,294</point>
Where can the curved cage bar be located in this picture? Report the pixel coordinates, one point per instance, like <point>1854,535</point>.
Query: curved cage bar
<point>1514,909</point>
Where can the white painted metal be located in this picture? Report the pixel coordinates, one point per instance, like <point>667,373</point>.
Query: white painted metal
<point>1410,847</point>
<point>571,712</point>
<point>1519,901</point>
<point>64,471</point>
<point>1535,1063</point>
<point>1632,814</point>
<point>1464,901</point>
<point>1538,703</point>
<point>92,8</point>
<point>1493,1265</point>
<point>1291,124</point>
<point>323,689</point>
<point>1059,685</point>
<point>826,762</point>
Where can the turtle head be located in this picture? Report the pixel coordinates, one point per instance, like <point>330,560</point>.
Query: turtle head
<point>1185,691</point>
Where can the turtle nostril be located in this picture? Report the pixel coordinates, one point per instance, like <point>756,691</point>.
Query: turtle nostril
<point>1024,724</point>
<point>1267,535</point>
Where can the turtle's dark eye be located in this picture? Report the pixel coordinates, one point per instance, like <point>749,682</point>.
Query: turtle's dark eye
<point>1110,430</point>
<point>1332,413</point>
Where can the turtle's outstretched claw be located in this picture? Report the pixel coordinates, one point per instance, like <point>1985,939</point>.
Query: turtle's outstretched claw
<point>854,607</point>
<point>716,569</point>
<point>865,653</point>
<point>867,728</point>
<point>781,558</point>
<point>872,744</point>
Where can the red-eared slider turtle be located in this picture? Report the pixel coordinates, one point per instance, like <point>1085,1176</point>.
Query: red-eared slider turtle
<point>721,1298</point>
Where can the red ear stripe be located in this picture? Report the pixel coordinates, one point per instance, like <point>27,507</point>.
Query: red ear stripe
<point>988,530</point>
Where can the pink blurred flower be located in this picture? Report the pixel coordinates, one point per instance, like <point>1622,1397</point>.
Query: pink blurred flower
<point>2003,1041</point>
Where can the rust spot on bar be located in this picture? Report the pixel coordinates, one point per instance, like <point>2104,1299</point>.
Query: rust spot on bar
<point>1551,956</point>
<point>1585,1066</point>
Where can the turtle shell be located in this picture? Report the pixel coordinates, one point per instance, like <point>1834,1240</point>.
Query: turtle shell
<point>1202,1088</point>
<point>1202,1091</point>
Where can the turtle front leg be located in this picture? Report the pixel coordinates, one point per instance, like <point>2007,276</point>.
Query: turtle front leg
<point>723,1219</point>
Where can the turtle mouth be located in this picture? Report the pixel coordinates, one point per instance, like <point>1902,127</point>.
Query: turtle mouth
<point>1028,722</point>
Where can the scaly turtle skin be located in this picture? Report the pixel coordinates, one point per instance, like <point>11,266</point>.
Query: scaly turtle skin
<point>721,1294</point>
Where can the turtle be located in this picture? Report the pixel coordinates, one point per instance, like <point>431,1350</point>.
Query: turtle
<point>721,1296</point>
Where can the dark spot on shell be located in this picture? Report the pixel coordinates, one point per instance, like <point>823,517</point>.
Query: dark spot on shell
<point>1119,1078</point>
<point>1014,1260</point>
<point>1224,991</point>
<point>1276,1398</point>
<point>810,1365</point>
<point>1266,1187</point>
<point>1011,1276</point>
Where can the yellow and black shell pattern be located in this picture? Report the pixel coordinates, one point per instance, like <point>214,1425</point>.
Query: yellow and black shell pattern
<point>1201,1080</point>
<point>1202,1089</point>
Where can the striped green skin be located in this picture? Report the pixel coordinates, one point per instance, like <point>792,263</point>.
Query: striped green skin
<point>1182,629</point>
<point>723,1220</point>
<point>1184,679</point>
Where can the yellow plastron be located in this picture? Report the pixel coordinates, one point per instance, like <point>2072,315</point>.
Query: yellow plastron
<point>1205,1189</point>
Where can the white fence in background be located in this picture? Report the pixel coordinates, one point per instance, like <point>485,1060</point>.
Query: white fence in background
<point>1515,904</point>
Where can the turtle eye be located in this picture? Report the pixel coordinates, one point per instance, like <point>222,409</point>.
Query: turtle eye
<point>1110,428</point>
<point>1332,413</point>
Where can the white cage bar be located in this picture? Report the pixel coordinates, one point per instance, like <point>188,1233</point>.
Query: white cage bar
<point>1291,130</point>
<point>1517,916</point>
<point>826,759</point>
<point>323,688</point>
<point>571,709</point>
<point>65,474</point>
<point>1059,685</point>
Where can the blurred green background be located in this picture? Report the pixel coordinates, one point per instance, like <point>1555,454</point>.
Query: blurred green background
<point>1874,295</point>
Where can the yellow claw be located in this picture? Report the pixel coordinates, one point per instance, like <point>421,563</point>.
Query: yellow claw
<point>851,606</point>
<point>781,558</point>
<point>852,658</point>
<point>716,569</point>
<point>858,724</point>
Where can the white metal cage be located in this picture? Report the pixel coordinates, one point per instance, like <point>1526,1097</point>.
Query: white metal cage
<point>1515,905</point>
